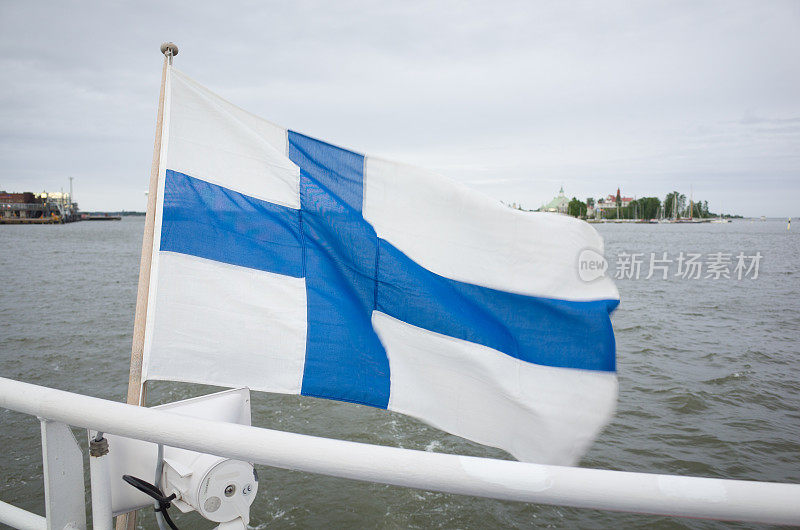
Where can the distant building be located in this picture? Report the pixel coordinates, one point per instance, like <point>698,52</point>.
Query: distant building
<point>610,203</point>
<point>559,204</point>
<point>45,208</point>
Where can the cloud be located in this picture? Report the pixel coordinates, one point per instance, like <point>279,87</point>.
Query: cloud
<point>751,118</point>
<point>515,98</point>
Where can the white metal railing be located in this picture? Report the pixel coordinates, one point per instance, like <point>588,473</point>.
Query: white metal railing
<point>765,502</point>
<point>19,518</point>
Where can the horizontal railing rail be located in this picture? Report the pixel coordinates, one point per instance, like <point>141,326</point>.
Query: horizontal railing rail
<point>21,519</point>
<point>765,502</point>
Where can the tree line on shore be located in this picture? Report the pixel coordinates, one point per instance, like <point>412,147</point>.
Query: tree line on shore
<point>673,205</point>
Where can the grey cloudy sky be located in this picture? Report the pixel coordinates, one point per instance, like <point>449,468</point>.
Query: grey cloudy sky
<point>513,98</point>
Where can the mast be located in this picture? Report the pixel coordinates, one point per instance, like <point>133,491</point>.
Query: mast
<point>136,391</point>
<point>135,394</point>
<point>675,205</point>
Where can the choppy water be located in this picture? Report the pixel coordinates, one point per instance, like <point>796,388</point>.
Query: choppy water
<point>708,378</point>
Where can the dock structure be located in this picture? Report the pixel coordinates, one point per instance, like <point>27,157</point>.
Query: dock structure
<point>37,208</point>
<point>100,217</point>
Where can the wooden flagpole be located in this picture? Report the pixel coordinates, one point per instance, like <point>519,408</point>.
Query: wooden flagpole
<point>136,394</point>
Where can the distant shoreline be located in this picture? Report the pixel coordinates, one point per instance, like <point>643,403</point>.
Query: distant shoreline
<point>122,213</point>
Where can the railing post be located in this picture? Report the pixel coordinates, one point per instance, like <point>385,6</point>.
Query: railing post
<point>65,506</point>
<point>102,516</point>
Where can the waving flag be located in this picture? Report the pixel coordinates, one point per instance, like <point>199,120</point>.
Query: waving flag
<point>287,264</point>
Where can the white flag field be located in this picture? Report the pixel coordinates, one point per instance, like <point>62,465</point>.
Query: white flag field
<point>287,264</point>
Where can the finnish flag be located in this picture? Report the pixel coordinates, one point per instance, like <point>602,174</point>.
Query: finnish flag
<point>287,264</point>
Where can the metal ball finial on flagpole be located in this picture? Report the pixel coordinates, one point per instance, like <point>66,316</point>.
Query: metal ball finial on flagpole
<point>170,50</point>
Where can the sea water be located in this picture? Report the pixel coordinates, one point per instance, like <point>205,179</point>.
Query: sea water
<point>708,370</point>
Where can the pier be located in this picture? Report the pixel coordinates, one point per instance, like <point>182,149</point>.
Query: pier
<point>100,217</point>
<point>45,209</point>
<point>37,208</point>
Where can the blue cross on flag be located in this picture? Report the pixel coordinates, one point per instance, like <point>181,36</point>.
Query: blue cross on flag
<point>286,264</point>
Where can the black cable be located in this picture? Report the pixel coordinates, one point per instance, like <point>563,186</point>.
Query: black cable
<point>155,493</point>
<point>168,519</point>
